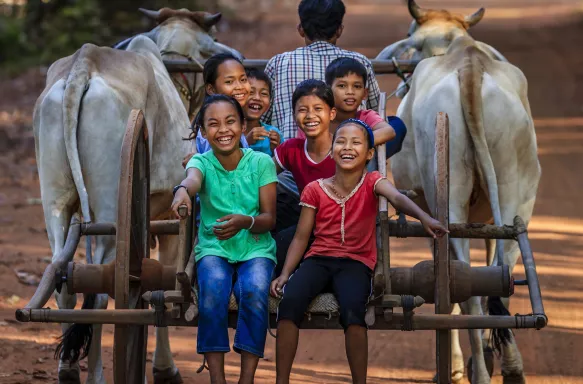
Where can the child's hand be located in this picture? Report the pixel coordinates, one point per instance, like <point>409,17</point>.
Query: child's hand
<point>257,133</point>
<point>276,288</point>
<point>187,159</point>
<point>433,227</point>
<point>181,198</point>
<point>232,225</point>
<point>274,140</point>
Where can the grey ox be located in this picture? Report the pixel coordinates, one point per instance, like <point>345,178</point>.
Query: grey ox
<point>79,124</point>
<point>494,168</point>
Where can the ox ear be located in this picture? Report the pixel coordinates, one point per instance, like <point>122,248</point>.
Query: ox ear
<point>475,17</point>
<point>205,20</point>
<point>394,50</point>
<point>416,11</point>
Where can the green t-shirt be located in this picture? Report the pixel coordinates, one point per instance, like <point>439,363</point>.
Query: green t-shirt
<point>233,192</point>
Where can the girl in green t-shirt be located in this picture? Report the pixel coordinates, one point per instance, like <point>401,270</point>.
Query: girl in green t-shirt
<point>237,189</point>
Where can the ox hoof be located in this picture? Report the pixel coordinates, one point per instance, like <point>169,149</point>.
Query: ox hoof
<point>167,376</point>
<point>488,357</point>
<point>69,376</point>
<point>513,378</point>
<point>456,377</point>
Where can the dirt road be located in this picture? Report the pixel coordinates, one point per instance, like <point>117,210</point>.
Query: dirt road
<point>545,46</point>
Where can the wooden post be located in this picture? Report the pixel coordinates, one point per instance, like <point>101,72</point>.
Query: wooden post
<point>441,246</point>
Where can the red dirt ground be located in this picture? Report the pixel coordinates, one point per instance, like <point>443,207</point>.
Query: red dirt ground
<point>545,45</point>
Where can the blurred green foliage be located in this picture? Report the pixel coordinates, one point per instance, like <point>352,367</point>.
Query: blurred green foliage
<point>41,31</point>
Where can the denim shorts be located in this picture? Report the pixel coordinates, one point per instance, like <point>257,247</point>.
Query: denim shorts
<point>249,281</point>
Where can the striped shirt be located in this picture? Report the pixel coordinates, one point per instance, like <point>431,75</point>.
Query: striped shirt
<point>288,69</point>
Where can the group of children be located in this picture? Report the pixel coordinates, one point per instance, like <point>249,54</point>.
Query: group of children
<point>333,244</point>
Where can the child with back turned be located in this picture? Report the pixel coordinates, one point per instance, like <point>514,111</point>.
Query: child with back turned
<point>341,210</point>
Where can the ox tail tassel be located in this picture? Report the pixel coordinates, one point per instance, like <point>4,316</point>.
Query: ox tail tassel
<point>76,340</point>
<point>501,336</point>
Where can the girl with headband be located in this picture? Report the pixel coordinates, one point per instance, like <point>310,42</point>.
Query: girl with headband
<point>341,210</point>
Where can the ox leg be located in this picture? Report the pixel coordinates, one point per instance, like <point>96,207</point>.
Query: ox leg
<point>461,249</point>
<point>57,228</point>
<point>59,210</point>
<point>511,205</point>
<point>457,357</point>
<point>104,253</point>
<point>512,367</point>
<point>164,369</point>
<point>490,254</point>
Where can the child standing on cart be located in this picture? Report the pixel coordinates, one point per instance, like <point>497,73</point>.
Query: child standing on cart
<point>348,78</point>
<point>341,210</point>
<point>235,251</point>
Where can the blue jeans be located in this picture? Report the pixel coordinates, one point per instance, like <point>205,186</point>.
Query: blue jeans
<point>251,287</point>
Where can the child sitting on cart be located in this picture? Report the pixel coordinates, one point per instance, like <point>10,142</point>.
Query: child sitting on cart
<point>260,136</point>
<point>235,251</point>
<point>341,210</point>
<point>309,159</point>
<point>223,74</point>
<point>347,77</point>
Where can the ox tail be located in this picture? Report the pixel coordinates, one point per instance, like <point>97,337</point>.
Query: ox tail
<point>471,77</point>
<point>76,340</point>
<point>75,88</point>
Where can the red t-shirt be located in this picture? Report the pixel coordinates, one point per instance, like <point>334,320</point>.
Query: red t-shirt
<point>356,239</point>
<point>293,156</point>
<point>370,117</point>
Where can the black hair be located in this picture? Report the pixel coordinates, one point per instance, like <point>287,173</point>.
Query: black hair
<point>253,73</point>
<point>320,19</point>
<point>313,87</point>
<point>198,121</point>
<point>210,71</point>
<point>368,135</point>
<point>343,66</point>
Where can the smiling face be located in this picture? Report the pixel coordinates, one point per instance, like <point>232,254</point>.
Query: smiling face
<point>259,99</point>
<point>313,115</point>
<point>349,91</point>
<point>222,127</point>
<point>350,148</point>
<point>231,81</point>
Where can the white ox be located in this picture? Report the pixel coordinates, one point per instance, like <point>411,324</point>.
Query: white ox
<point>79,124</point>
<point>494,168</point>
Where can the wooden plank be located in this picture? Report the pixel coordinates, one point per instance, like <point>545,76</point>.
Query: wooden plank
<point>442,291</point>
<point>379,66</point>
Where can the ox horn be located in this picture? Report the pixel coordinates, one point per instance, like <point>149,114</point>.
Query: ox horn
<point>390,51</point>
<point>151,14</point>
<point>475,17</point>
<point>205,20</point>
<point>416,10</point>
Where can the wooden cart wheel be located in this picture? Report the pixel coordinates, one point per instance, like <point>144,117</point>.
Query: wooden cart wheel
<point>133,227</point>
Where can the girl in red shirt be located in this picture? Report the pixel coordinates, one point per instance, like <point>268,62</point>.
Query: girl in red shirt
<point>310,158</point>
<point>342,212</point>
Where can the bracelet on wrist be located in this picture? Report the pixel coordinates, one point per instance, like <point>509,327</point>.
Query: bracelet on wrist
<point>252,222</point>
